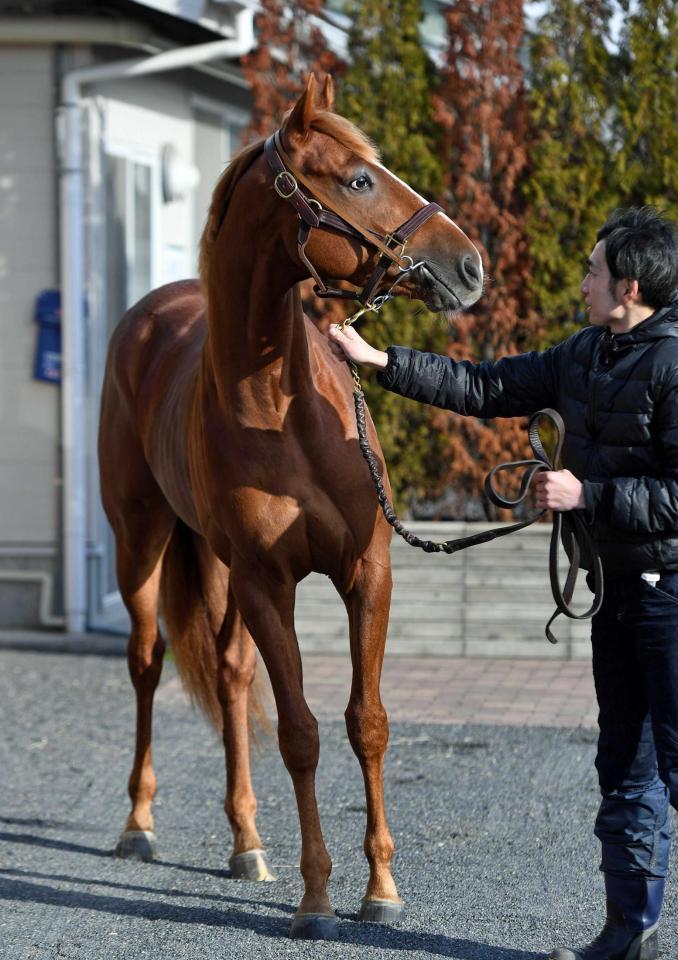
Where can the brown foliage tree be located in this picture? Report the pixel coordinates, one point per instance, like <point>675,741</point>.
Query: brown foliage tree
<point>290,45</point>
<point>481,107</point>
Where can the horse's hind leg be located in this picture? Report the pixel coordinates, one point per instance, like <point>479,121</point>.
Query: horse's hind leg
<point>139,553</point>
<point>368,608</point>
<point>236,664</point>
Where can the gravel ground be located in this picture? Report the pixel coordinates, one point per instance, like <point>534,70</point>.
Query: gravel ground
<point>495,857</point>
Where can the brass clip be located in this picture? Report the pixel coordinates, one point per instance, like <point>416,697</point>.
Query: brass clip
<point>389,239</point>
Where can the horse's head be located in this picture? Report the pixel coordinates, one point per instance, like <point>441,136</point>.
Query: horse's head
<point>338,169</point>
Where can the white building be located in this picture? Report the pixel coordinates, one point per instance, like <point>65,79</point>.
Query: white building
<point>108,201</point>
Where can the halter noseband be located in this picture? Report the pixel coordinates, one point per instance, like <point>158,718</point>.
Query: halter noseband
<point>314,214</point>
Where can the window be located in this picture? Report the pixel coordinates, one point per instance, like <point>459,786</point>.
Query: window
<point>129,234</point>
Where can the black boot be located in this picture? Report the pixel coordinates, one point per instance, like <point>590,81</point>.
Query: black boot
<point>630,931</point>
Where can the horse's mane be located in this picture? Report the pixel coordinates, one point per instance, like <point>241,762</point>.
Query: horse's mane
<point>221,198</point>
<point>331,124</point>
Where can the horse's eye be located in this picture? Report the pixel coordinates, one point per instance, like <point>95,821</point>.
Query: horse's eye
<point>362,182</point>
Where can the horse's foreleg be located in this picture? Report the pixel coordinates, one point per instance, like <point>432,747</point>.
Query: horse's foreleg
<point>236,664</point>
<point>139,580</point>
<point>267,607</point>
<point>368,608</point>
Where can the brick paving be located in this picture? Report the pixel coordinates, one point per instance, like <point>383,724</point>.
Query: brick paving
<point>445,690</point>
<point>528,693</point>
<point>517,692</point>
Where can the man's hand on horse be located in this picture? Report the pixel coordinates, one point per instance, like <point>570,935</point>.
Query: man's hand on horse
<point>558,490</point>
<point>348,343</point>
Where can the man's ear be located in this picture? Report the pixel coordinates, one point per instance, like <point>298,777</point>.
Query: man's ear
<point>631,289</point>
<point>299,120</point>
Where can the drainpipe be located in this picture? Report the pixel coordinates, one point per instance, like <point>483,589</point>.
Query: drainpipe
<point>72,287</point>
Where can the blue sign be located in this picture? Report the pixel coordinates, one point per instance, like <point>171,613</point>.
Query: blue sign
<point>48,350</point>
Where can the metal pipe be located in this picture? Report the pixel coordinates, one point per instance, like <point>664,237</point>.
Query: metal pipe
<point>45,583</point>
<point>72,275</point>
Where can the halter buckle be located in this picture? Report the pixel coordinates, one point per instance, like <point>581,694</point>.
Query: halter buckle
<point>281,190</point>
<point>393,243</point>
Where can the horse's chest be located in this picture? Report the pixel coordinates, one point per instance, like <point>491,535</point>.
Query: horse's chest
<point>290,531</point>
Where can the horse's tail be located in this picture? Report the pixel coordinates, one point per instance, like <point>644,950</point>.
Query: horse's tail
<point>194,591</point>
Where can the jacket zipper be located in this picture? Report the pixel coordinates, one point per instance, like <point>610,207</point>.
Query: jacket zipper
<point>589,419</point>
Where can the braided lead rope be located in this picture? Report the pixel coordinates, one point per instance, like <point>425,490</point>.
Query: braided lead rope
<point>568,526</point>
<point>428,546</point>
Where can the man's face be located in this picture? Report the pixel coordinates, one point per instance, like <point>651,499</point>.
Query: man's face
<point>603,306</point>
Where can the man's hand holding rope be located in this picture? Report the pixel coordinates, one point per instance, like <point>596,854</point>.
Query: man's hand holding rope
<point>558,490</point>
<point>348,344</point>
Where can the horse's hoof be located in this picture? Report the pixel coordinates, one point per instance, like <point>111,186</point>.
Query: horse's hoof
<point>380,911</point>
<point>314,926</point>
<point>251,865</point>
<point>136,845</point>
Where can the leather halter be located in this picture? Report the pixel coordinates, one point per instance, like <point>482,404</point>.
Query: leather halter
<point>315,212</point>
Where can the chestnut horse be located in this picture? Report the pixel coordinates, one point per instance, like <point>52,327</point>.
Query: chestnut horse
<point>230,469</point>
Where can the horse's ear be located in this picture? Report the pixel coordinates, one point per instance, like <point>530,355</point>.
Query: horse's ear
<point>299,120</point>
<point>327,96</point>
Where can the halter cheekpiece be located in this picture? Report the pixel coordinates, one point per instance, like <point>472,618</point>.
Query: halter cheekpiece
<point>312,214</point>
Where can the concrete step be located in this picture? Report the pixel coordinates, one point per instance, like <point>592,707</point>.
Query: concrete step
<point>491,600</point>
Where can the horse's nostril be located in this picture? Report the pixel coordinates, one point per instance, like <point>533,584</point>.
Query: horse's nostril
<point>469,272</point>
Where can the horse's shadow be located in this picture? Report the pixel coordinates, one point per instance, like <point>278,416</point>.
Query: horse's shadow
<point>32,840</point>
<point>20,885</point>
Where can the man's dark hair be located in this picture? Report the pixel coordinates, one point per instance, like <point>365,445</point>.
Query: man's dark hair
<point>641,244</point>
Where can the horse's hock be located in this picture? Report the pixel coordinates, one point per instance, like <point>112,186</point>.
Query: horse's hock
<point>491,601</point>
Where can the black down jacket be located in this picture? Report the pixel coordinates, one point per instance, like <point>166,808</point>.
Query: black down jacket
<point>618,396</point>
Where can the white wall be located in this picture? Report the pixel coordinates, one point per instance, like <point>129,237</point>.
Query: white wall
<point>137,116</point>
<point>29,410</point>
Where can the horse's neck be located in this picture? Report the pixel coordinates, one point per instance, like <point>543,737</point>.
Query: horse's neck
<point>257,349</point>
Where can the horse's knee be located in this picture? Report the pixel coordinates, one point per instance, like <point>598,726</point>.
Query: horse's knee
<point>367,727</point>
<point>299,743</point>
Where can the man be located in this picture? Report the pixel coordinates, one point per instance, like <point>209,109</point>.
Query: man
<point>615,384</point>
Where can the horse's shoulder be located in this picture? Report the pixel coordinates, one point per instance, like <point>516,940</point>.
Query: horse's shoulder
<point>167,313</point>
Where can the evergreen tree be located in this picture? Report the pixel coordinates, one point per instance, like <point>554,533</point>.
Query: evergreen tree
<point>571,187</point>
<point>646,122</point>
<point>386,90</point>
<point>481,106</point>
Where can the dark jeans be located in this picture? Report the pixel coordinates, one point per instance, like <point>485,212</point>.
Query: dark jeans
<point>635,668</point>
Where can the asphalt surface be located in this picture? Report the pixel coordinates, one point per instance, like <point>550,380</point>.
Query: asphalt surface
<point>495,858</point>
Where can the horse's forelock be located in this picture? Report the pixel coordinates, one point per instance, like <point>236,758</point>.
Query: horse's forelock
<point>345,133</point>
